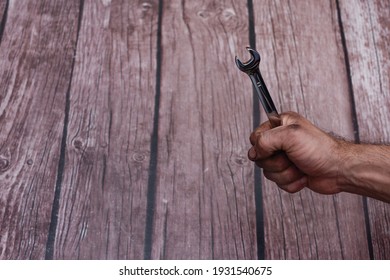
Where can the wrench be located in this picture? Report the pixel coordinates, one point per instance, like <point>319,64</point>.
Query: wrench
<point>251,67</point>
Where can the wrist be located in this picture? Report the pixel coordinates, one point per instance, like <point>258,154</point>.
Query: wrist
<point>350,163</point>
<point>363,170</point>
<point>346,155</point>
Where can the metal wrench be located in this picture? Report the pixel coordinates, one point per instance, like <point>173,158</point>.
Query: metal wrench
<point>251,67</point>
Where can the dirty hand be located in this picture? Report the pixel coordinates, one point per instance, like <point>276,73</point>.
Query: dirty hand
<point>297,154</point>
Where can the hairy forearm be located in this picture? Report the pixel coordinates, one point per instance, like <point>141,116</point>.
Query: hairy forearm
<point>366,170</point>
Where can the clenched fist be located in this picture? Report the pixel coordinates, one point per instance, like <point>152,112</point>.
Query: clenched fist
<point>297,154</point>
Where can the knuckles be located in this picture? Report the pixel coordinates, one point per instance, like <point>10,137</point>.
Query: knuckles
<point>294,126</point>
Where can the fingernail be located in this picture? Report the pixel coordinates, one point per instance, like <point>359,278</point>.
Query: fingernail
<point>252,153</point>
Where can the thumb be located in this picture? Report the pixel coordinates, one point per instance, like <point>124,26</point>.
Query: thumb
<point>281,138</point>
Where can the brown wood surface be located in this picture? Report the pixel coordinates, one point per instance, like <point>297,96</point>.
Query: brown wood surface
<point>36,54</point>
<point>3,14</point>
<point>367,29</point>
<point>304,66</point>
<point>204,195</point>
<point>103,201</point>
<point>124,127</point>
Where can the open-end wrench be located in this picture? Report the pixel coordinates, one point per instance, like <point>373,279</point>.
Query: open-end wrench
<point>251,67</point>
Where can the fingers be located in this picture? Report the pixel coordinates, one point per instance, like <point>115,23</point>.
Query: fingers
<point>286,118</point>
<point>295,186</point>
<point>279,169</point>
<point>252,154</point>
<point>275,163</point>
<point>285,177</point>
<point>291,180</point>
<point>255,134</point>
<point>267,144</point>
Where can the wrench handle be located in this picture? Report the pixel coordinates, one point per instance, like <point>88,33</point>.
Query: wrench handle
<point>265,98</point>
<point>274,119</point>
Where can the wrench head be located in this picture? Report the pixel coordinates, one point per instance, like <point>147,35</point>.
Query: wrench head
<point>252,64</point>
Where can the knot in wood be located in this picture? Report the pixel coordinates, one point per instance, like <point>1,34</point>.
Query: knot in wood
<point>228,13</point>
<point>146,6</point>
<point>30,161</point>
<point>4,164</point>
<point>78,144</point>
<point>239,160</point>
<point>139,157</point>
<point>203,14</point>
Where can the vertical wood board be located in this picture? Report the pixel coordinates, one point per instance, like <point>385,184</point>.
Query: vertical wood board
<point>103,197</point>
<point>303,65</point>
<point>36,55</point>
<point>367,32</point>
<point>3,13</point>
<point>204,194</point>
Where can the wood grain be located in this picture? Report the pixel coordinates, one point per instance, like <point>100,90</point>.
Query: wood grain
<point>204,195</point>
<point>3,15</point>
<point>303,64</point>
<point>103,197</point>
<point>36,55</point>
<point>367,32</point>
<point>124,127</point>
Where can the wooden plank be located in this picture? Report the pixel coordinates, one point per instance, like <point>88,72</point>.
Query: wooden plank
<point>3,15</point>
<point>36,55</point>
<point>204,194</point>
<point>303,64</point>
<point>367,32</point>
<point>103,197</point>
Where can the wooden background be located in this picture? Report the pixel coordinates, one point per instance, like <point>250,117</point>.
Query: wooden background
<point>124,127</point>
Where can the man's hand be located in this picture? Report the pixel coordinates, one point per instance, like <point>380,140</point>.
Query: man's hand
<point>297,154</point>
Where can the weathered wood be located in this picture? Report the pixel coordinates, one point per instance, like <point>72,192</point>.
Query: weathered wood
<point>204,194</point>
<point>36,55</point>
<point>367,32</point>
<point>103,197</point>
<point>90,136</point>
<point>303,65</point>
<point>3,15</point>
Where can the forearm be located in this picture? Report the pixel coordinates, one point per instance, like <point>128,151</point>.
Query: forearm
<point>366,170</point>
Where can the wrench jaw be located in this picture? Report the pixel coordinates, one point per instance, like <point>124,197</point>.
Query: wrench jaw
<point>251,68</point>
<point>251,65</point>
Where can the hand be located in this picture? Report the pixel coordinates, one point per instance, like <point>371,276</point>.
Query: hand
<point>297,154</point>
